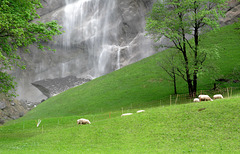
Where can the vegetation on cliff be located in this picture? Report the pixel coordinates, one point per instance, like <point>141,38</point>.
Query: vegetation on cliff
<point>17,30</point>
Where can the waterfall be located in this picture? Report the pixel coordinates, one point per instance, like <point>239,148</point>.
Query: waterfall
<point>100,36</point>
<point>118,58</point>
<point>92,23</point>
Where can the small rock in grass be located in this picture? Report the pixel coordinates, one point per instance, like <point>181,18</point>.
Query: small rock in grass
<point>201,109</point>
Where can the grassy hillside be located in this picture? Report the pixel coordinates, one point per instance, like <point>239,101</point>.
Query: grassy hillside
<point>171,129</point>
<point>139,85</point>
<point>161,129</point>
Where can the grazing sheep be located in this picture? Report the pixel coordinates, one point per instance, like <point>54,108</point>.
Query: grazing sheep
<point>140,111</point>
<point>204,98</point>
<point>218,96</point>
<point>83,121</point>
<point>196,100</point>
<point>126,114</point>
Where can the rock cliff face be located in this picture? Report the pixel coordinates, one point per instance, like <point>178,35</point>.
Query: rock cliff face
<point>233,13</point>
<point>100,37</point>
<point>14,109</point>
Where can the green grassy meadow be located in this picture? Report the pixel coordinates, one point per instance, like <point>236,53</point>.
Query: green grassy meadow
<point>141,84</point>
<point>171,129</point>
<point>179,128</point>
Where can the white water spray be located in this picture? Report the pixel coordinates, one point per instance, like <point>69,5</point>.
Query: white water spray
<point>92,23</point>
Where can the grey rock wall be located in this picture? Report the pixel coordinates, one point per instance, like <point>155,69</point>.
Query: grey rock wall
<point>126,43</point>
<point>77,55</point>
<point>232,15</point>
<point>13,109</point>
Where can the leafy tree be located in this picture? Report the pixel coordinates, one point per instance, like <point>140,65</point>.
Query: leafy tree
<point>18,30</point>
<point>180,20</point>
<point>169,65</point>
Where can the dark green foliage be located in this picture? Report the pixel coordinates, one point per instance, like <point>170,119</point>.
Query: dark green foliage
<point>181,20</point>
<point>18,30</point>
<point>237,25</point>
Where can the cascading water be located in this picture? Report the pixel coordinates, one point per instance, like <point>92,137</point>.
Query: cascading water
<point>91,23</point>
<point>100,36</point>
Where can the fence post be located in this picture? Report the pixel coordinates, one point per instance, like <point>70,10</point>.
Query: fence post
<point>176,100</point>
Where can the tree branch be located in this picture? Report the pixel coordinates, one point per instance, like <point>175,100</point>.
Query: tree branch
<point>181,74</point>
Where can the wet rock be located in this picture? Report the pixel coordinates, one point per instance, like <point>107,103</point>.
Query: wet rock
<point>50,5</point>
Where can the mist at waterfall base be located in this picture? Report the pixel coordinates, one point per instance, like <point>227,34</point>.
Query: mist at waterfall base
<point>100,36</point>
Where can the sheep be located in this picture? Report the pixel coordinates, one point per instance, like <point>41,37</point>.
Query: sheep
<point>218,96</point>
<point>196,100</point>
<point>126,114</point>
<point>140,111</point>
<point>204,98</point>
<point>83,121</point>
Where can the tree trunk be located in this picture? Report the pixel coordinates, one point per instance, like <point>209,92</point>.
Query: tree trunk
<point>175,84</point>
<point>194,84</point>
<point>196,41</point>
<point>190,87</point>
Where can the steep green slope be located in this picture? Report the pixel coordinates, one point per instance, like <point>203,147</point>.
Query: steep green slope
<point>171,129</point>
<point>138,85</point>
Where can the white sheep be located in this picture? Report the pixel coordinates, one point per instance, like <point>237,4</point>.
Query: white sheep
<point>126,114</point>
<point>196,100</point>
<point>204,98</point>
<point>83,121</point>
<point>139,111</point>
<point>218,96</point>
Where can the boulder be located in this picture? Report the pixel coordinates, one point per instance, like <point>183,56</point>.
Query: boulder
<point>1,121</point>
<point>52,87</point>
<point>2,105</point>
